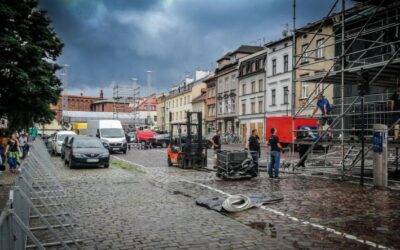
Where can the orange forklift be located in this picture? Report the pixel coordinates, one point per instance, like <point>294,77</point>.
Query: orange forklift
<point>187,149</point>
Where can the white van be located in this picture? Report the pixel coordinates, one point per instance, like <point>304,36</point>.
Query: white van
<point>58,140</point>
<point>110,133</point>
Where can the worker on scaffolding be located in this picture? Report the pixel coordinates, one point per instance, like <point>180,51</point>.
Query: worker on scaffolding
<point>326,108</point>
<point>395,108</point>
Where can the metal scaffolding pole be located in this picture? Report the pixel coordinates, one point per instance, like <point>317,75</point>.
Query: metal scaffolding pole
<point>342,84</point>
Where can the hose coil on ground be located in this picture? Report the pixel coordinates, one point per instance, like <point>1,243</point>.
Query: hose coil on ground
<point>236,203</point>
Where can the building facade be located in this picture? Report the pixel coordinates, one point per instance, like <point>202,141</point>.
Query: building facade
<point>279,77</point>
<point>227,88</point>
<point>211,108</point>
<point>179,100</point>
<point>75,103</point>
<point>161,115</point>
<point>312,52</point>
<point>199,105</point>
<point>252,94</point>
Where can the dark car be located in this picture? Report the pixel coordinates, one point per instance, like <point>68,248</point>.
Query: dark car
<point>67,139</point>
<point>160,140</point>
<point>86,151</point>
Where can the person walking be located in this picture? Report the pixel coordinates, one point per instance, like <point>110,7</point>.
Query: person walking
<point>23,144</point>
<point>275,149</point>
<point>216,142</point>
<point>395,108</point>
<point>253,145</point>
<point>12,153</point>
<point>326,108</point>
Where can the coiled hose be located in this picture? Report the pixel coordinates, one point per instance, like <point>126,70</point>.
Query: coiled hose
<point>236,203</point>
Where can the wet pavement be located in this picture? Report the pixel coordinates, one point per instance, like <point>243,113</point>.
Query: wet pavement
<point>152,206</point>
<point>315,213</point>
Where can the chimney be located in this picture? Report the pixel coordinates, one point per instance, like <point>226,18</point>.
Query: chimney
<point>101,94</point>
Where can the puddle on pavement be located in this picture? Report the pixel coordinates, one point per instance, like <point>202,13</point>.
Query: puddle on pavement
<point>262,227</point>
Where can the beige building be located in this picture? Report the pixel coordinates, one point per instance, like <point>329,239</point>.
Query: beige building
<point>314,57</point>
<point>161,115</point>
<point>179,100</point>
<point>199,105</point>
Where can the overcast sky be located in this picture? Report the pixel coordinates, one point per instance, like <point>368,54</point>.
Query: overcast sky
<point>114,40</point>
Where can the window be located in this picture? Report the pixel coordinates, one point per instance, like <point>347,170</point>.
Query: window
<point>260,106</point>
<point>243,89</point>
<point>233,104</point>
<point>304,58</point>
<point>274,67</point>
<point>285,63</point>
<point>273,97</point>
<point>260,85</point>
<point>285,95</point>
<point>253,107</point>
<point>261,64</point>
<point>320,48</point>
<point>220,107</point>
<point>180,115</point>
<point>233,81</point>
<point>243,108</point>
<point>253,87</point>
<point>243,70</point>
<point>253,67</point>
<point>188,99</point>
<point>226,109</point>
<point>304,89</point>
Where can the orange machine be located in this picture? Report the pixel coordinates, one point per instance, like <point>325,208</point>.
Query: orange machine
<point>187,150</point>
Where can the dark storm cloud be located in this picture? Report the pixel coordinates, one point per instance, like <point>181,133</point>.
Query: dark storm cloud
<point>109,40</point>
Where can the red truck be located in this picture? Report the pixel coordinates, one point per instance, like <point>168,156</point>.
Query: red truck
<point>284,126</point>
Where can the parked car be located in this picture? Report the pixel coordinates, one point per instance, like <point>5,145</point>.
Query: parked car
<point>132,135</point>
<point>86,151</point>
<point>160,139</point>
<point>58,140</point>
<point>144,136</point>
<point>64,145</point>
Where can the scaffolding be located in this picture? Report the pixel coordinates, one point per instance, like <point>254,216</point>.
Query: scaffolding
<point>364,41</point>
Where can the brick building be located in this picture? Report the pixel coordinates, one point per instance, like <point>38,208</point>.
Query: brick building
<point>75,103</point>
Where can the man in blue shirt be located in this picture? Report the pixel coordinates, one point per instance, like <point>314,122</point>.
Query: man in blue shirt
<point>325,107</point>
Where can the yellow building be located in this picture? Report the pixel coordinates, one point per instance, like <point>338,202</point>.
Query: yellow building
<point>179,100</point>
<point>314,53</point>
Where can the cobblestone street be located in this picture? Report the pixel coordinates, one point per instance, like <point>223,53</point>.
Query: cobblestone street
<point>152,206</point>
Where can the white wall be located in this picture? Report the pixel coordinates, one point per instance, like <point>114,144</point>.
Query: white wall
<point>280,80</point>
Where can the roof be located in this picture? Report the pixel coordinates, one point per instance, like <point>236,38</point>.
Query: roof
<point>109,101</point>
<point>248,49</point>
<point>200,98</point>
<point>225,57</point>
<point>84,97</point>
<point>273,43</point>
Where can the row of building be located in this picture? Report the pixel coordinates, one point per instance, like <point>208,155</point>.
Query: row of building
<point>249,84</point>
<point>252,83</point>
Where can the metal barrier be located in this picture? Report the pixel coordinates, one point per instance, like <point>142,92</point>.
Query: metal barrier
<point>35,210</point>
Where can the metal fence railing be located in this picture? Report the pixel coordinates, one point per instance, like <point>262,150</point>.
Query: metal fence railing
<point>35,215</point>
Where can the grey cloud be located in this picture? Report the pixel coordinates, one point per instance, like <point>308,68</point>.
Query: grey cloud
<point>110,40</point>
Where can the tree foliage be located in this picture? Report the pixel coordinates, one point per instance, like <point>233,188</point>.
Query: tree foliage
<point>29,47</point>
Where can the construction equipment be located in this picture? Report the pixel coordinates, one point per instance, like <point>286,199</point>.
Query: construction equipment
<point>187,149</point>
<point>236,164</point>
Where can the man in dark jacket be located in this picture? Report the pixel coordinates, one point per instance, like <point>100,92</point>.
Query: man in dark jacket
<point>253,144</point>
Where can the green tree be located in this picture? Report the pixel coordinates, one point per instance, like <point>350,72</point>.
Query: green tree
<point>29,47</point>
